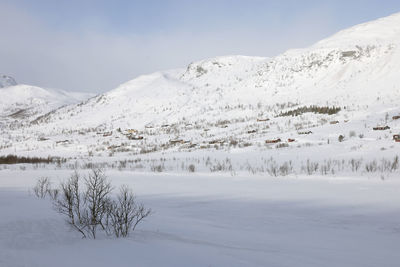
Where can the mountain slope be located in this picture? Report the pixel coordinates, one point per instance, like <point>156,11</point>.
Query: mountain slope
<point>25,101</point>
<point>229,99</point>
<point>357,65</point>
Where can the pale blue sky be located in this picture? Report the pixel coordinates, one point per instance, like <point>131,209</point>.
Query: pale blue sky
<point>94,46</point>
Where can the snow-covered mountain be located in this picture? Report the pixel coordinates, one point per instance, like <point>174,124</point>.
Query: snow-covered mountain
<point>6,81</point>
<point>225,98</point>
<point>23,102</point>
<point>355,66</point>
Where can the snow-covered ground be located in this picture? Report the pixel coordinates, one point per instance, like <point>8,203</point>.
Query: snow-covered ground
<point>195,144</point>
<point>214,220</point>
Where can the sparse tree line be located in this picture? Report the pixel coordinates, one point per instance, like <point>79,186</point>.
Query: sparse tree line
<point>270,166</point>
<point>13,159</point>
<point>88,205</point>
<point>312,109</point>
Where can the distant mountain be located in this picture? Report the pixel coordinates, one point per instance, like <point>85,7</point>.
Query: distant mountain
<point>24,102</point>
<point>354,67</point>
<point>239,98</point>
<point>6,81</point>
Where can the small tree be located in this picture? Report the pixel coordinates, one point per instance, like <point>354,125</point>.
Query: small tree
<point>93,208</point>
<point>124,213</point>
<point>341,138</point>
<point>71,203</point>
<point>97,200</point>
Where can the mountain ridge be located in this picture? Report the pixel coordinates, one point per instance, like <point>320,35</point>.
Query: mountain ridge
<point>226,98</point>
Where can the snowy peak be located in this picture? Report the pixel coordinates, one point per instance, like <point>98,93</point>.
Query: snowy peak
<point>25,101</point>
<point>6,81</point>
<point>353,68</point>
<point>383,31</point>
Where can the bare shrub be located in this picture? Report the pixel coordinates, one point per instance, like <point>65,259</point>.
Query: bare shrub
<point>371,166</point>
<point>96,199</point>
<point>157,168</point>
<point>286,168</point>
<point>124,213</point>
<point>311,167</point>
<point>355,164</point>
<point>93,208</point>
<point>42,187</point>
<point>191,168</point>
<point>71,203</point>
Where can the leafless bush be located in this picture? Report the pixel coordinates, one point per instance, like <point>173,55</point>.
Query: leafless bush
<point>311,167</point>
<point>42,187</point>
<point>371,166</point>
<point>272,168</point>
<point>124,213</point>
<point>326,167</point>
<point>157,168</point>
<point>286,168</point>
<point>191,168</point>
<point>275,170</point>
<point>96,199</point>
<point>92,208</point>
<point>355,164</point>
<point>282,145</point>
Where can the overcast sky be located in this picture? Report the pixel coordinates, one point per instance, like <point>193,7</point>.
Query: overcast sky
<point>94,46</point>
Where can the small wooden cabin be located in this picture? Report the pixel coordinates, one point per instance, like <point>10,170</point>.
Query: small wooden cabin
<point>135,137</point>
<point>178,141</point>
<point>305,132</point>
<point>132,131</point>
<point>381,128</point>
<point>273,141</point>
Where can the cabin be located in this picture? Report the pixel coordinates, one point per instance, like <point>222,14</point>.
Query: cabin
<point>396,117</point>
<point>132,131</point>
<point>224,126</point>
<point>334,122</point>
<point>290,140</point>
<point>178,141</point>
<point>273,141</point>
<point>396,137</point>
<point>213,142</point>
<point>261,120</point>
<point>305,132</point>
<point>135,137</point>
<point>63,142</point>
<point>113,147</point>
<point>251,131</point>
<point>381,128</point>
<point>107,134</point>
